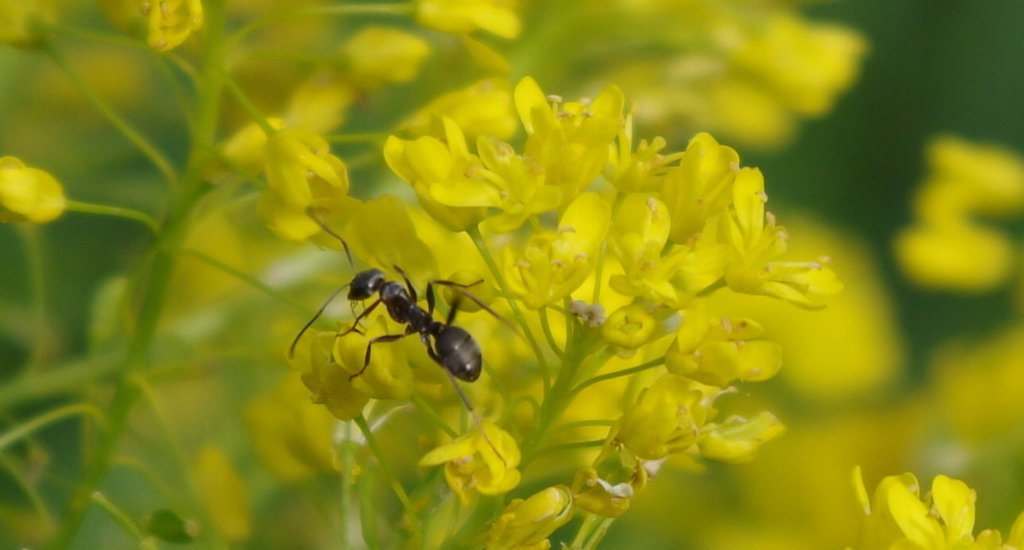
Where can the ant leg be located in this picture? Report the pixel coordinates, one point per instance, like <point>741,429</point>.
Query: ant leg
<point>462,290</point>
<point>465,400</point>
<point>369,346</point>
<point>323,225</point>
<point>362,315</point>
<point>408,284</point>
<point>319,312</point>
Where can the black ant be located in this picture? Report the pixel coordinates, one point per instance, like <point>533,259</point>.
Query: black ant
<point>453,348</point>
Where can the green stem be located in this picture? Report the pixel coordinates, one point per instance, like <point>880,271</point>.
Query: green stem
<point>552,343</point>
<point>56,380</point>
<point>624,372</point>
<point>114,211</point>
<point>158,277</point>
<point>119,517</point>
<point>134,137</point>
<point>396,485</point>
<point>426,409</point>
<point>249,106</point>
<point>25,429</point>
<point>37,279</point>
<point>31,491</point>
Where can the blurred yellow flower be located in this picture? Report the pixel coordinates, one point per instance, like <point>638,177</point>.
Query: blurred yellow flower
<point>806,64</point>
<point>223,493</point>
<point>483,108</point>
<point>171,22</point>
<point>28,194</point>
<point>292,436</point>
<point>375,56</point>
<point>946,247</point>
<point>18,19</point>
<point>498,17</point>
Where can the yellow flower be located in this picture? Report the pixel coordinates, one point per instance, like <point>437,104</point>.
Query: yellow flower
<point>28,194</point>
<point>569,140</point>
<point>171,22</point>
<point>897,516</point>
<point>638,239</point>
<point>666,418</point>
<point>304,180</point>
<point>699,186</point>
<point>636,171</point>
<point>483,108</point>
<point>329,383</point>
<point>387,376</point>
<point>719,351</point>
<point>378,55</point>
<point>607,487</point>
<point>527,524</point>
<point>554,264</point>
<point>427,163</point>
<point>755,242</point>
<point>477,462</point>
<point>17,19</point>
<point>630,327</point>
<point>465,16</point>
<point>736,440</point>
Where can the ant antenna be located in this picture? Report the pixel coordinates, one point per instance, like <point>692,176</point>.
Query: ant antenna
<point>319,312</point>
<point>323,225</point>
<point>476,417</point>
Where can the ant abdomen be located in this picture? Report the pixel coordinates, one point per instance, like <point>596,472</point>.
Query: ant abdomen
<point>459,353</point>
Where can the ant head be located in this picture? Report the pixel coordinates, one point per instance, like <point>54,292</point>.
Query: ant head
<point>365,284</point>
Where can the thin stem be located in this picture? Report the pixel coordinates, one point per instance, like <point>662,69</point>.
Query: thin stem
<point>56,380</point>
<point>624,372</point>
<point>249,279</point>
<point>25,429</point>
<point>249,106</point>
<point>367,503</point>
<point>30,490</point>
<point>485,253</point>
<point>371,137</point>
<point>114,211</point>
<point>104,108</point>
<point>567,446</point>
<point>583,424</point>
<point>400,9</point>
<point>37,279</point>
<point>426,409</point>
<point>396,485</point>
<point>552,343</point>
<point>119,517</point>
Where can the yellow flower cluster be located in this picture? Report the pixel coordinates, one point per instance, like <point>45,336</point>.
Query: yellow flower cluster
<point>947,247</point>
<point>646,235</point>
